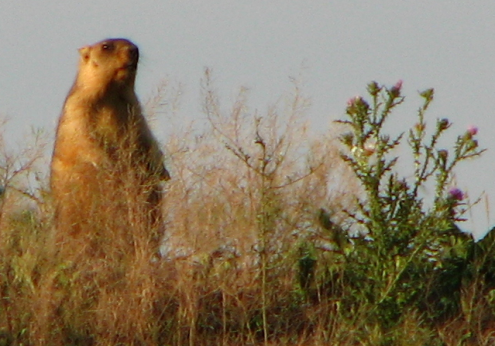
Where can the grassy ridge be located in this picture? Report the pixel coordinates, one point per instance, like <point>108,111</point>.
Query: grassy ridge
<point>272,237</point>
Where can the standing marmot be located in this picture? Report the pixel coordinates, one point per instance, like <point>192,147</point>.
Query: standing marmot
<point>106,167</point>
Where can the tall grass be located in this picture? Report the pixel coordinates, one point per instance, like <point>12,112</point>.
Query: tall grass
<point>273,236</point>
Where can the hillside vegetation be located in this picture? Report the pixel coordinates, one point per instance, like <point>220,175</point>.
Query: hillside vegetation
<point>273,237</point>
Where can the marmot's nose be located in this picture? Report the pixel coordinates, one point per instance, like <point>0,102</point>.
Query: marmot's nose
<point>134,53</point>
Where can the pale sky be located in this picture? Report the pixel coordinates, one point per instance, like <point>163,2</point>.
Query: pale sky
<point>337,47</point>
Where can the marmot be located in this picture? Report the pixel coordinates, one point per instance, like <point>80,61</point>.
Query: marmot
<point>107,168</point>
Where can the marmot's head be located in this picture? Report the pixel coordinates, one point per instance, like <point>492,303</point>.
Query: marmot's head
<point>108,64</point>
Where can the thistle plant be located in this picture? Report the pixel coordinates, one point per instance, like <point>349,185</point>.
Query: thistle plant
<point>401,235</point>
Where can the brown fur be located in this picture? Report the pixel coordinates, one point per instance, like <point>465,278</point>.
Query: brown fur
<point>106,167</point>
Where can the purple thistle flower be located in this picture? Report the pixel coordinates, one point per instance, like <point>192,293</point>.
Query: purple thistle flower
<point>353,100</point>
<point>456,194</point>
<point>472,130</point>
<point>395,90</point>
<point>398,85</point>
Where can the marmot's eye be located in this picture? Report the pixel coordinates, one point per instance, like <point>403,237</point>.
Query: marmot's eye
<point>107,46</point>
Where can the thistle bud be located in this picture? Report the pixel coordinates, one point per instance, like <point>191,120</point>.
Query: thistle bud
<point>420,127</point>
<point>373,88</point>
<point>443,124</point>
<point>347,138</point>
<point>443,154</point>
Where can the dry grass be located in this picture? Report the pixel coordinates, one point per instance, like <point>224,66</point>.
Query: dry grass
<point>240,211</point>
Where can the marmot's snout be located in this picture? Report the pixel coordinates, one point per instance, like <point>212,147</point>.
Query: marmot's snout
<point>133,52</point>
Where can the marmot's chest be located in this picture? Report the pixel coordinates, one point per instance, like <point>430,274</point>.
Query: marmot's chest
<point>111,123</point>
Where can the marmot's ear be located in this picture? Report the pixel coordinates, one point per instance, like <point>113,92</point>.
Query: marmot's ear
<point>84,52</point>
